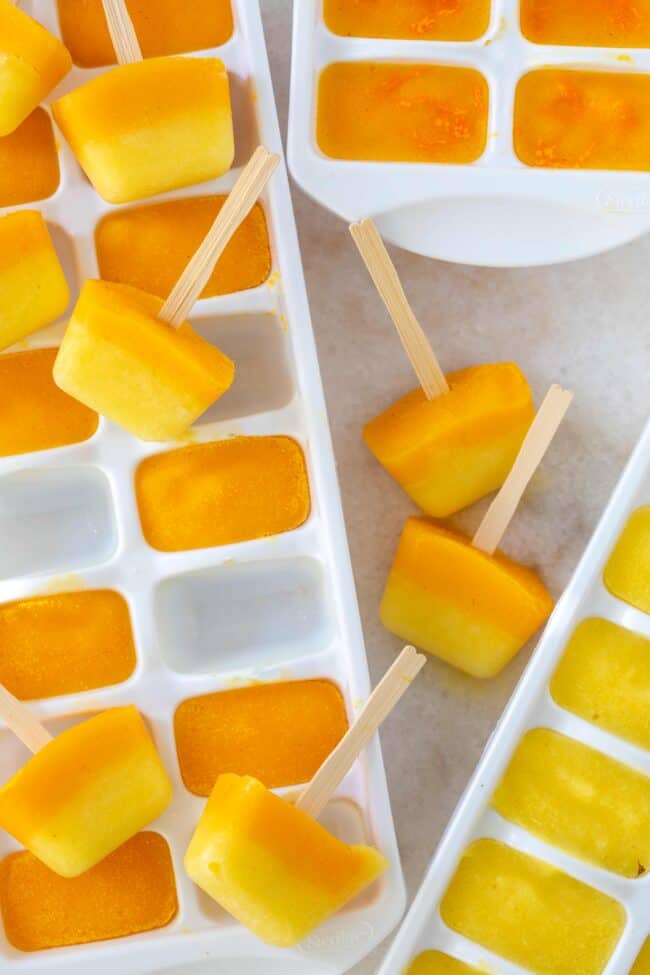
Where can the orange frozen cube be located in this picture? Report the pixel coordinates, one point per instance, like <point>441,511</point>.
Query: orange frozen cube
<point>416,20</point>
<point>29,164</point>
<point>587,23</point>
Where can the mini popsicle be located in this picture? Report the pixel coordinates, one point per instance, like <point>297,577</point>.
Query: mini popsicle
<point>147,127</point>
<point>32,63</point>
<point>454,440</point>
<point>462,600</point>
<point>85,792</point>
<point>33,288</point>
<point>268,862</point>
<point>134,358</point>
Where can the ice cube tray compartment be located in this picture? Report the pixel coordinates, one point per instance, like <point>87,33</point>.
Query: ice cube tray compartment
<point>450,211</point>
<point>187,644</point>
<point>533,706</point>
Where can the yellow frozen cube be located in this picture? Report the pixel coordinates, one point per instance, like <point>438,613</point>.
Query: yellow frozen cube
<point>150,127</point>
<point>119,359</point>
<point>642,964</point>
<point>32,63</point>
<point>436,963</point>
<point>87,792</point>
<point>33,288</point>
<point>270,865</point>
<point>627,574</point>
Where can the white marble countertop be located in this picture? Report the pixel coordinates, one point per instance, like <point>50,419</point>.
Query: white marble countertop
<point>584,325</point>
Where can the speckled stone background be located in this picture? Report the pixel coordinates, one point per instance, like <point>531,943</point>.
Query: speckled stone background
<point>584,325</point>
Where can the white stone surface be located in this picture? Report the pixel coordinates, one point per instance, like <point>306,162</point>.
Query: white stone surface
<point>584,325</point>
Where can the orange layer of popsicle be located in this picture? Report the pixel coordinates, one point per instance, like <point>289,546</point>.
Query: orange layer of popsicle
<point>423,20</point>
<point>402,112</point>
<point>279,733</point>
<point>597,23</point>
<point>162,26</point>
<point>29,165</point>
<point>65,643</point>
<point>222,492</point>
<point>569,119</point>
<point>131,891</point>
<point>149,247</point>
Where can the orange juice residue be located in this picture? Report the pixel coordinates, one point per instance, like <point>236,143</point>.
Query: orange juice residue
<point>402,112</point>
<point>149,246</point>
<point>131,891</point>
<point>597,23</point>
<point>569,119</point>
<point>29,164</point>
<point>426,20</point>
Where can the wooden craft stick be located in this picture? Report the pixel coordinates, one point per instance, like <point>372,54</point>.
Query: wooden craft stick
<point>240,202</point>
<point>20,719</point>
<point>381,702</point>
<point>123,35</point>
<point>383,273</point>
<point>538,440</point>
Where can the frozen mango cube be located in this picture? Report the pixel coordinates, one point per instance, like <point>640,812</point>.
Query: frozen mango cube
<point>36,414</point>
<point>415,20</point>
<point>475,611</point>
<point>604,677</point>
<point>88,791</point>
<point>32,63</point>
<point>222,492</point>
<point>452,450</point>
<point>580,800</point>
<point>133,890</point>
<point>33,288</point>
<point>627,573</point>
<point>65,642</point>
<point>587,23</point>
<point>29,164</point>
<point>150,127</point>
<point>280,733</point>
<point>436,963</point>
<point>270,865</point>
<point>162,26</point>
<point>530,912</point>
<point>119,359</point>
<point>149,247</point>
<point>642,964</point>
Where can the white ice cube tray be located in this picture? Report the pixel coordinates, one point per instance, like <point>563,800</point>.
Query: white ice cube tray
<point>496,211</point>
<point>532,707</point>
<point>206,620</point>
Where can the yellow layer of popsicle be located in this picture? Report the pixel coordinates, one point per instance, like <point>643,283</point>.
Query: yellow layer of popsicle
<point>280,733</point>
<point>531,913</point>
<point>425,20</point>
<point>88,791</point>
<point>450,451</point>
<point>32,62</point>
<point>402,112</point>
<point>223,492</point>
<point>448,598</point>
<point>597,23</point>
<point>569,119</point>
<point>29,164</point>
<point>133,890</point>
<point>162,26</point>
<point>65,643</point>
<point>149,247</point>
<point>627,573</point>
<point>145,128</point>
<point>270,865</point>
<point>604,677</point>
<point>580,800</point>
<point>435,963</point>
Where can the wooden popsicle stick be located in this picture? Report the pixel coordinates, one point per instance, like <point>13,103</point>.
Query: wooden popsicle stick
<point>537,441</point>
<point>240,202</point>
<point>384,274</point>
<point>381,702</point>
<point>120,27</point>
<point>24,724</point>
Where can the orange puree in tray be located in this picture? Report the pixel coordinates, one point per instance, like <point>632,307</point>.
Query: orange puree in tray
<point>29,165</point>
<point>222,492</point>
<point>149,247</point>
<point>426,20</point>
<point>570,119</point>
<point>163,27</point>
<point>131,891</point>
<point>601,23</point>
<point>36,414</point>
<point>402,112</point>
<point>279,733</point>
<point>64,643</point>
